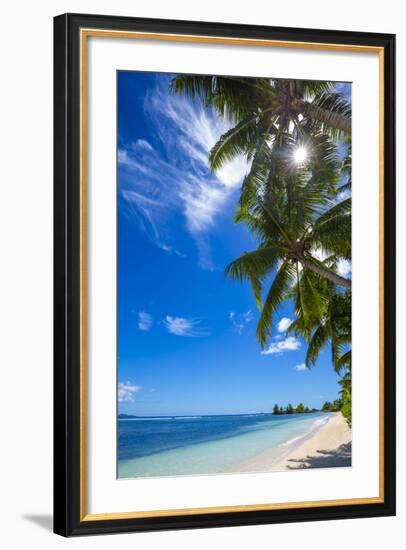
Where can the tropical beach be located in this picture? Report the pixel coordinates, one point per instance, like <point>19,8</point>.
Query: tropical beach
<point>232,444</point>
<point>329,446</point>
<point>234,274</point>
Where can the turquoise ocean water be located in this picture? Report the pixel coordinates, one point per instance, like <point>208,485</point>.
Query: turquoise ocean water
<point>170,446</point>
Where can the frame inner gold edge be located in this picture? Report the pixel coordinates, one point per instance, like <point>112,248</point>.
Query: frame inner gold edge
<point>84,33</point>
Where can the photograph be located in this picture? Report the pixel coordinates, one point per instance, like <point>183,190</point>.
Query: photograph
<point>234,270</point>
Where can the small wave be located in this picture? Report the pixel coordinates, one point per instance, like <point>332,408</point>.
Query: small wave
<point>317,424</point>
<point>143,418</point>
<point>290,441</point>
<point>321,421</point>
<point>187,417</point>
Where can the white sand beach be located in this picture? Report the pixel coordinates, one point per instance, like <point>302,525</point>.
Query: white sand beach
<point>326,447</point>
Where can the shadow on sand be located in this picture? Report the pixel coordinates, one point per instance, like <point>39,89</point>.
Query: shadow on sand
<point>335,458</point>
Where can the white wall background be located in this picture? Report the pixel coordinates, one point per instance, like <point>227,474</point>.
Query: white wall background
<point>26,271</point>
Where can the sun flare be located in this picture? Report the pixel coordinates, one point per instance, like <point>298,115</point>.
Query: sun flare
<point>300,155</point>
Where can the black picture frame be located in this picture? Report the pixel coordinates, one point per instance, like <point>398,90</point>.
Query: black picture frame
<point>67,381</point>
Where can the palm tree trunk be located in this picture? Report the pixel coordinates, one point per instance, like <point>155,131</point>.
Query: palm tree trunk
<point>334,120</point>
<point>324,272</point>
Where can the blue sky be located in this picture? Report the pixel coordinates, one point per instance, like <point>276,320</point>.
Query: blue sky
<point>186,334</point>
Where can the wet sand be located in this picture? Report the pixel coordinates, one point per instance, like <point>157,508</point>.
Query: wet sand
<point>327,447</point>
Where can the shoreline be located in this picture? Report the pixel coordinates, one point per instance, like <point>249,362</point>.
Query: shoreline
<point>324,446</point>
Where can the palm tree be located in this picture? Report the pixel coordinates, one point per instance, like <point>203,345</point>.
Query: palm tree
<point>302,228</point>
<point>346,394</point>
<point>269,115</point>
<point>329,323</point>
<point>333,324</point>
<point>302,233</point>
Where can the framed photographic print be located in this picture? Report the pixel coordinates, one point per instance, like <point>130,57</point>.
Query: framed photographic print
<point>224,274</point>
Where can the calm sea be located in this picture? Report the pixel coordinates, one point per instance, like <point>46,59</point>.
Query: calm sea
<point>194,445</point>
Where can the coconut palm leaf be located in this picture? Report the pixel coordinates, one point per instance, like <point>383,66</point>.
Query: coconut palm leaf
<point>239,140</point>
<point>254,266</point>
<point>334,236</point>
<point>344,360</point>
<point>329,112</point>
<point>289,207</point>
<point>277,293</point>
<point>234,98</point>
<point>310,303</point>
<point>317,342</point>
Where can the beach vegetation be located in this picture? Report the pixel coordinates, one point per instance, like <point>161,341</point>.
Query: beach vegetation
<point>333,406</point>
<point>289,409</point>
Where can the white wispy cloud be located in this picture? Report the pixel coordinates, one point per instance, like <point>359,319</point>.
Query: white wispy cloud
<point>195,130</point>
<point>247,316</point>
<point>127,159</point>
<point>284,324</point>
<point>344,267</point>
<point>181,326</point>
<point>142,144</point>
<point>126,392</point>
<point>288,344</point>
<point>158,182</point>
<point>320,253</point>
<point>146,210</point>
<point>201,203</point>
<point>144,321</point>
<point>240,320</point>
<point>343,195</point>
<point>198,130</point>
<point>238,326</point>
<point>301,367</point>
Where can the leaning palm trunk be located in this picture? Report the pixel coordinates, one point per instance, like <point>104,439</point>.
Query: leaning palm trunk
<point>325,116</point>
<point>324,272</point>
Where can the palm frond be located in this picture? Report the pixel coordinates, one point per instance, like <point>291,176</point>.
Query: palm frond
<point>329,112</point>
<point>317,342</point>
<point>311,304</point>
<point>332,230</point>
<point>275,296</point>
<point>344,360</point>
<point>253,266</point>
<point>231,97</point>
<point>239,140</point>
